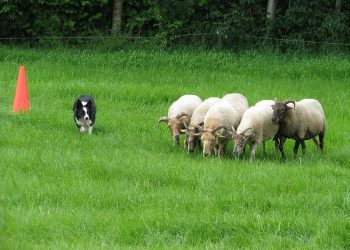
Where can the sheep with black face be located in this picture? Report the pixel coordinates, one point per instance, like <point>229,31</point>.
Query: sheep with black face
<point>179,115</point>
<point>303,121</point>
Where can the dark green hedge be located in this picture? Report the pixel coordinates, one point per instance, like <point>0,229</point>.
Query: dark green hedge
<point>32,18</point>
<point>296,19</point>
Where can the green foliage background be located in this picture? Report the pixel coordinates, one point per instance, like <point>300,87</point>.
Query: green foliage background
<point>304,20</point>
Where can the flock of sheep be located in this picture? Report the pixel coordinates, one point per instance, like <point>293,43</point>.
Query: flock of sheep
<point>215,121</point>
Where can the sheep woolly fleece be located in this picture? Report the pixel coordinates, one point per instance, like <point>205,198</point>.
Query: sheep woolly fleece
<point>259,119</point>
<point>201,110</point>
<point>222,114</point>
<point>238,101</point>
<point>185,104</point>
<point>308,116</point>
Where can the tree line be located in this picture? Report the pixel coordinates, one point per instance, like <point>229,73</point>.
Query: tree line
<point>316,20</point>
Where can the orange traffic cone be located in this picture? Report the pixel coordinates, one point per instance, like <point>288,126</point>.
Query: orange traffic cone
<point>21,101</point>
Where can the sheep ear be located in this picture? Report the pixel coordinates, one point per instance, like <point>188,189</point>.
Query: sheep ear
<point>234,133</point>
<point>199,128</point>
<point>196,129</point>
<point>162,119</point>
<point>249,135</point>
<point>220,135</point>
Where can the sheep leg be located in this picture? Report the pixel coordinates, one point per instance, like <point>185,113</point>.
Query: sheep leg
<point>216,151</point>
<point>296,147</point>
<point>244,156</point>
<point>280,146</point>
<point>303,147</point>
<point>222,148</point>
<point>320,137</point>
<point>197,143</point>
<point>253,150</point>
<point>276,145</point>
<point>185,144</point>
<point>264,150</point>
<point>220,152</point>
<point>315,142</point>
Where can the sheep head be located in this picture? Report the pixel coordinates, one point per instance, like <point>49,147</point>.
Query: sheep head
<point>175,125</point>
<point>280,110</point>
<point>192,134</point>
<point>209,139</point>
<point>240,140</point>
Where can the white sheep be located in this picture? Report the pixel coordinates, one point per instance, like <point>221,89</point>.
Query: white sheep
<point>238,101</point>
<point>197,121</point>
<point>304,121</point>
<point>265,103</point>
<point>255,128</point>
<point>180,113</point>
<point>218,122</point>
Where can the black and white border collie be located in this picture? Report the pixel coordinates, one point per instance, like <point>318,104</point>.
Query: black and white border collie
<point>84,110</point>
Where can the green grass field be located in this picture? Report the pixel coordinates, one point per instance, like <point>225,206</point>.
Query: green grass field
<point>127,186</point>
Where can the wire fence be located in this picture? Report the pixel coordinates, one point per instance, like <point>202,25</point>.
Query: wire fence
<point>217,34</point>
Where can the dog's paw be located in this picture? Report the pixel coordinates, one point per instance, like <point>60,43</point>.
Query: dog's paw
<point>83,129</point>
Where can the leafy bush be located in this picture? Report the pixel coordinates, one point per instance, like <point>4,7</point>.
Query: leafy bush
<point>235,21</point>
<point>35,18</point>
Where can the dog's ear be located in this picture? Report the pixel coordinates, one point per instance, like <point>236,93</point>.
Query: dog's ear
<point>77,105</point>
<point>89,104</point>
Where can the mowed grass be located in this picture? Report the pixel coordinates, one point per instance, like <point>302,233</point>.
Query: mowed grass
<point>127,186</point>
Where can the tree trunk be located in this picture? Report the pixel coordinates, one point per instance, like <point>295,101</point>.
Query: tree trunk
<point>117,16</point>
<point>271,9</point>
<point>338,6</point>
